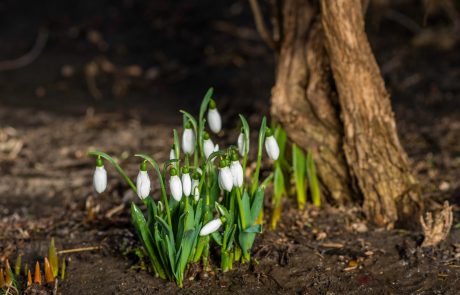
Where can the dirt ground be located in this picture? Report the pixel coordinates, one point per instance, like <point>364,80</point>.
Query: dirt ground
<point>49,119</point>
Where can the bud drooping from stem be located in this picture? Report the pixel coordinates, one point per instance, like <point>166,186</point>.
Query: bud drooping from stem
<point>271,145</point>
<point>175,185</point>
<point>100,176</point>
<point>143,182</point>
<point>214,119</point>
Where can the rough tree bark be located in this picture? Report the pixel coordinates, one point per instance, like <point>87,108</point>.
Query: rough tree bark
<point>330,97</point>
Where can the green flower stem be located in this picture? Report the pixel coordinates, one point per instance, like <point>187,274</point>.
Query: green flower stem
<point>255,181</point>
<point>176,144</point>
<point>195,157</point>
<point>246,133</point>
<point>162,184</point>
<point>186,161</point>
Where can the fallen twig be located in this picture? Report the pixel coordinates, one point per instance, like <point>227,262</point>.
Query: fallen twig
<point>77,250</point>
<point>30,56</point>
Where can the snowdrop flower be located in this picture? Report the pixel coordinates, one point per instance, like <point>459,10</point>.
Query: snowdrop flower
<point>241,144</point>
<point>225,177</point>
<point>237,171</point>
<point>186,182</point>
<point>175,185</point>
<point>208,146</point>
<point>196,186</point>
<point>211,227</point>
<point>172,153</point>
<point>214,119</point>
<point>188,139</point>
<point>271,146</point>
<point>100,176</point>
<point>143,182</point>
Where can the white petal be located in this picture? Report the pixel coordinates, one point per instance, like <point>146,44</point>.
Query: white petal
<point>241,144</point>
<point>214,120</point>
<point>225,179</point>
<point>210,227</point>
<point>237,173</point>
<point>216,148</point>
<point>208,147</point>
<point>186,184</point>
<point>271,146</point>
<point>188,141</point>
<point>143,184</point>
<point>176,187</point>
<point>100,179</point>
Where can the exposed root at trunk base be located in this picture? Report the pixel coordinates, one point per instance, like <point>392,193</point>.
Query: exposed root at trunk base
<point>437,230</point>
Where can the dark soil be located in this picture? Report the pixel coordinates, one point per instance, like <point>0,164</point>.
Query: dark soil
<point>49,120</point>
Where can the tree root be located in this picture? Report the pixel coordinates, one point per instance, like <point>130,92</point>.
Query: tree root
<point>437,230</point>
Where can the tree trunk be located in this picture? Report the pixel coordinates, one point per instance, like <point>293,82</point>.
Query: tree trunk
<point>330,97</point>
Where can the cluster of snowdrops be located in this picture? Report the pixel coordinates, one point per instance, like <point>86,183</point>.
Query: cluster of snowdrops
<point>210,198</point>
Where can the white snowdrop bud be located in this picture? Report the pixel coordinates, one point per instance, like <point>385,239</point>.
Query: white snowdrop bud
<point>237,171</point>
<point>214,119</point>
<point>241,144</point>
<point>188,140</point>
<point>271,146</point>
<point>172,153</point>
<point>196,186</point>
<point>208,147</point>
<point>225,177</point>
<point>143,182</point>
<point>175,185</point>
<point>211,227</point>
<point>100,177</point>
<point>186,182</point>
